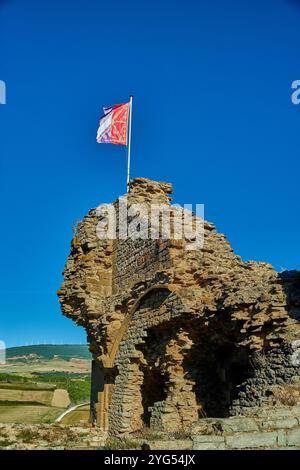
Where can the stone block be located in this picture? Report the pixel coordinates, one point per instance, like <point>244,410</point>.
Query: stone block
<point>208,442</point>
<point>239,424</point>
<point>175,444</point>
<point>281,438</point>
<point>295,410</point>
<point>287,423</point>
<point>293,438</point>
<point>252,440</point>
<point>276,413</point>
<point>209,446</point>
<point>207,438</point>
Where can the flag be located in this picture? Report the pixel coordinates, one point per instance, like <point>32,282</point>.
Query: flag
<point>113,125</point>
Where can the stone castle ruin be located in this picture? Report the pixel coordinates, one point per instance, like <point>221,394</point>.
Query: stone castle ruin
<point>177,334</point>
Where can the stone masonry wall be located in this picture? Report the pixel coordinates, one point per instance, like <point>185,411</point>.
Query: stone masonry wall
<point>269,429</point>
<point>176,333</point>
<point>136,259</point>
<point>277,367</point>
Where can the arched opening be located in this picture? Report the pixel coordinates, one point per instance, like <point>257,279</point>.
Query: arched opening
<point>153,388</point>
<point>189,372</point>
<point>153,391</point>
<point>181,369</point>
<point>152,299</point>
<point>218,368</point>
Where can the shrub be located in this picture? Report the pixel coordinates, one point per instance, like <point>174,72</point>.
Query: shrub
<point>180,434</point>
<point>5,443</point>
<point>288,395</point>
<point>26,435</point>
<point>121,444</point>
<point>148,433</point>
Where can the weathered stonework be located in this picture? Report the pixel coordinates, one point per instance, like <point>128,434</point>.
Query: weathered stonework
<point>178,334</point>
<point>268,428</point>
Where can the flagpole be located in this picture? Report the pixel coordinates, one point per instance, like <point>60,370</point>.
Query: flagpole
<point>129,142</point>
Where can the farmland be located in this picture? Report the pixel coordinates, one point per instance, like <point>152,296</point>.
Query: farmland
<point>37,383</point>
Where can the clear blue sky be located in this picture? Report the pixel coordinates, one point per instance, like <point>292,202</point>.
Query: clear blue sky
<point>212,114</point>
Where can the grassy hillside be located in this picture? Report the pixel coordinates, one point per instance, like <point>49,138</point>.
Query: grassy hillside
<point>12,386</point>
<point>23,399</point>
<point>18,413</point>
<point>49,351</point>
<point>35,377</point>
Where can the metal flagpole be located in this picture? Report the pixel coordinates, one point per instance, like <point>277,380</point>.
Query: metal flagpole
<point>129,142</point>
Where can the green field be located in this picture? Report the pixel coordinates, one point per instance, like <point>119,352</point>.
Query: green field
<point>32,374</point>
<point>30,402</point>
<point>27,386</point>
<point>13,386</point>
<point>77,416</point>
<point>26,396</point>
<point>21,413</point>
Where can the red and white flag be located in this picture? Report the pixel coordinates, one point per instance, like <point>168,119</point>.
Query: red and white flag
<point>113,125</point>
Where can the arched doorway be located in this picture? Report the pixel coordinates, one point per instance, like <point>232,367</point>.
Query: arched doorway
<point>173,368</point>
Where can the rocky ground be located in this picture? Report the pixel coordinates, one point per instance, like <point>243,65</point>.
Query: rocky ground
<point>49,436</point>
<point>268,428</point>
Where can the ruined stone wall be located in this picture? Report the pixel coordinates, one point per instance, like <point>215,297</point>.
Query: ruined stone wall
<point>137,259</point>
<point>177,332</point>
<point>269,429</point>
<point>279,366</point>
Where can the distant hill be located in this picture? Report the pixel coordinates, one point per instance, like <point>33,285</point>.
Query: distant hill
<point>49,351</point>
